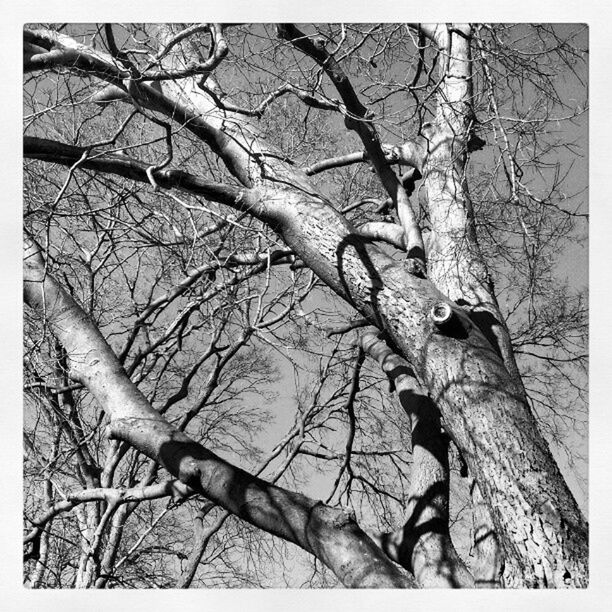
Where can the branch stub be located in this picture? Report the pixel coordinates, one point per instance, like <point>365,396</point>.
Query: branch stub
<point>441,313</point>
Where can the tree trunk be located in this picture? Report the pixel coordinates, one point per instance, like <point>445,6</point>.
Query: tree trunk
<point>462,360</point>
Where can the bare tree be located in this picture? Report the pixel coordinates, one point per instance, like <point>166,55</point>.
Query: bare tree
<point>214,208</point>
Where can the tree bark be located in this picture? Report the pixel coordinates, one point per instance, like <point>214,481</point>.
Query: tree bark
<point>482,405</point>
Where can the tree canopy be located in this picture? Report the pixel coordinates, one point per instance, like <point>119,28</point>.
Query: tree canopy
<point>305,305</point>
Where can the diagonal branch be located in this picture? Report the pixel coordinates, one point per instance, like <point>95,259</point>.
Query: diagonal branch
<point>332,535</point>
<point>359,120</point>
<point>423,545</point>
<point>121,165</point>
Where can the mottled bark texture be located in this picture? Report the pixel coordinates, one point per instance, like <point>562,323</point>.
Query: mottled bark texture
<point>482,405</point>
<point>456,264</point>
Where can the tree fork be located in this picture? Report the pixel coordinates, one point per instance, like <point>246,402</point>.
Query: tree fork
<point>481,403</point>
<point>483,408</point>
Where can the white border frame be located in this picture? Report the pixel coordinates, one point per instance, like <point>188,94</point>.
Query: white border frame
<point>595,14</point>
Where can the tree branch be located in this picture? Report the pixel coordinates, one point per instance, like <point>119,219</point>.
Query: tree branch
<point>112,496</point>
<point>358,119</point>
<point>423,545</point>
<point>260,109</point>
<point>336,162</point>
<point>121,165</point>
<point>330,534</point>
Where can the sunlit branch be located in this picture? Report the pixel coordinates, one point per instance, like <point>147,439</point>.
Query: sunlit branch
<point>391,233</point>
<point>423,543</point>
<point>336,162</point>
<point>359,120</point>
<point>286,514</point>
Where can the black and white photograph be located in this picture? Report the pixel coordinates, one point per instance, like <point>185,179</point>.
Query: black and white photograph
<point>305,305</point>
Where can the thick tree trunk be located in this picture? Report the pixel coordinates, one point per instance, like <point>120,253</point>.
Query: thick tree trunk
<point>457,268</point>
<point>482,405</point>
<point>456,265</point>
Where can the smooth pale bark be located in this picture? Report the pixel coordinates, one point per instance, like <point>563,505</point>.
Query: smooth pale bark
<point>455,261</point>
<point>332,535</point>
<point>423,545</point>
